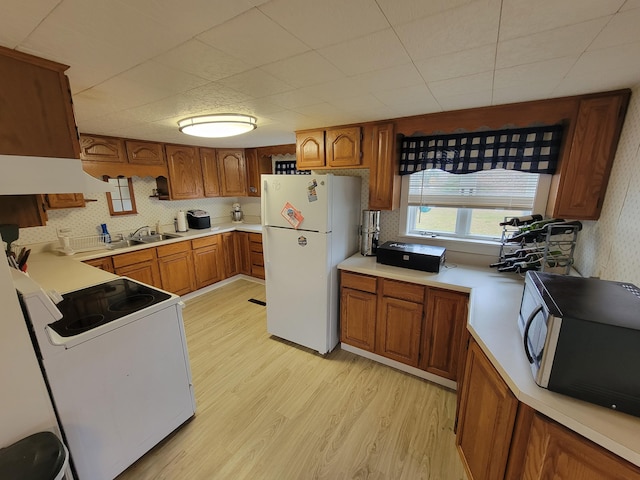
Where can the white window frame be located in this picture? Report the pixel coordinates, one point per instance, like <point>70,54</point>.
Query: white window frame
<point>457,243</point>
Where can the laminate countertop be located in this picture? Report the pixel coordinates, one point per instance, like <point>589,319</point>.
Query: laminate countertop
<point>494,304</point>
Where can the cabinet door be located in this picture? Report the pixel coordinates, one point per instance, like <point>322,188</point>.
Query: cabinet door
<point>145,272</point>
<point>310,149</point>
<point>230,251</point>
<point>244,252</point>
<point>210,178</point>
<point>208,265</point>
<point>344,147</point>
<point>185,172</point>
<point>103,263</point>
<point>384,177</point>
<point>233,173</point>
<point>586,174</point>
<point>358,318</point>
<point>398,330</point>
<point>145,153</point>
<point>487,418</point>
<point>445,320</point>
<point>94,148</point>
<point>176,273</point>
<point>65,200</point>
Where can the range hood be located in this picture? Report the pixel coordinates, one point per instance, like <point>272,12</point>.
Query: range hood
<point>22,175</point>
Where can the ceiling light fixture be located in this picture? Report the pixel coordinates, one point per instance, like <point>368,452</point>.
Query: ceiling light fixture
<point>218,125</point>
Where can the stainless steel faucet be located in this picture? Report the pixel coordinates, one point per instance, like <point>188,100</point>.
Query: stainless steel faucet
<point>138,232</point>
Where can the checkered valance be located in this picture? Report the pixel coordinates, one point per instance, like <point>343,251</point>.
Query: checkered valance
<point>531,149</point>
<point>288,167</point>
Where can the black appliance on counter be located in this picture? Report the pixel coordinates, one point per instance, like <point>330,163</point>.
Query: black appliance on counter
<point>582,338</point>
<point>198,219</point>
<point>411,255</point>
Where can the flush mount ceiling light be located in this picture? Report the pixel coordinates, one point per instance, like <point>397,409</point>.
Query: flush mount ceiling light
<point>217,125</point>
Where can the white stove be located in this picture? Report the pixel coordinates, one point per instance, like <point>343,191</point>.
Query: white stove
<point>115,359</point>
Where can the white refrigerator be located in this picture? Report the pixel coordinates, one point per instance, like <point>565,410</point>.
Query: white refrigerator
<point>309,225</point>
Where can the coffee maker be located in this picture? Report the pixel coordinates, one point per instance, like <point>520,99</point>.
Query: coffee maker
<point>369,232</point>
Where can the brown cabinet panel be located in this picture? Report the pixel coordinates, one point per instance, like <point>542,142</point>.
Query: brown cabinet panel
<point>398,330</point>
<point>96,148</point>
<point>585,173</point>
<point>232,172</point>
<point>176,271</point>
<point>244,252</point>
<point>230,250</point>
<point>402,290</point>
<point>256,255</point>
<point>357,281</point>
<point>145,153</point>
<point>205,241</point>
<point>358,318</point>
<point>210,175</point>
<point>343,147</point>
<point>185,172</point>
<point>141,265</point>
<point>131,258</point>
<point>104,263</point>
<point>384,177</point>
<point>310,149</point>
<point>208,265</point>
<point>23,210</point>
<point>65,200</point>
<point>173,248</point>
<point>487,418</point>
<point>445,321</point>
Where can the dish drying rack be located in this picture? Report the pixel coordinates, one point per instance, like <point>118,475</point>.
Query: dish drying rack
<point>87,243</point>
<point>549,248</point>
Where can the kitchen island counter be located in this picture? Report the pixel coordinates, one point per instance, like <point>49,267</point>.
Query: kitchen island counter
<point>494,303</point>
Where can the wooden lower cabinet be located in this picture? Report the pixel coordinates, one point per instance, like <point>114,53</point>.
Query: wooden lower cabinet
<point>230,249</point>
<point>244,252</point>
<point>175,263</point>
<point>487,417</point>
<point>358,310</point>
<point>104,263</point>
<point>208,260</point>
<point>256,256</point>
<point>141,265</point>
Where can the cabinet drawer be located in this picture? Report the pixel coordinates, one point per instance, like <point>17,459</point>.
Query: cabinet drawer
<point>257,271</point>
<point>204,241</point>
<point>173,248</point>
<point>255,247</point>
<point>124,259</point>
<point>255,237</point>
<point>257,258</point>
<point>403,290</point>
<point>356,281</point>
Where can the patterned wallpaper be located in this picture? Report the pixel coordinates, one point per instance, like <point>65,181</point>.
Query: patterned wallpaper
<point>608,248</point>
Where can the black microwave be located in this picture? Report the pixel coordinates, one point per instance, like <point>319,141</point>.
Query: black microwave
<point>581,337</point>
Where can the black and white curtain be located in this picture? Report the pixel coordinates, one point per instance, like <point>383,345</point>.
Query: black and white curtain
<point>288,167</point>
<point>530,149</point>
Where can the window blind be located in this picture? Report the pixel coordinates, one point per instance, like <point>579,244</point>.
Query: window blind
<point>500,189</point>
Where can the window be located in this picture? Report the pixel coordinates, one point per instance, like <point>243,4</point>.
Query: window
<point>472,205</point>
<point>121,200</point>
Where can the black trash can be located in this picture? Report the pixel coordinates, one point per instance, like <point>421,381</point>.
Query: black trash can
<point>41,456</point>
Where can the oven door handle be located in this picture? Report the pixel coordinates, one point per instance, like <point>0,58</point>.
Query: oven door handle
<point>525,335</point>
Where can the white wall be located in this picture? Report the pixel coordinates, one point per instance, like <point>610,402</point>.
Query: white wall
<point>25,407</point>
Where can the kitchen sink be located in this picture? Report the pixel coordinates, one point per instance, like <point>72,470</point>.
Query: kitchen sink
<point>141,240</point>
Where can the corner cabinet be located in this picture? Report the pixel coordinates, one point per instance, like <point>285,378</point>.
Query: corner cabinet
<point>584,173</point>
<point>232,171</point>
<point>185,172</point>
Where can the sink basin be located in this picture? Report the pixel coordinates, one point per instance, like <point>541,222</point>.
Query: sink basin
<point>158,237</point>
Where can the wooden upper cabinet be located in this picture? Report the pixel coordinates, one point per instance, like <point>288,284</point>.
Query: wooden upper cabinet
<point>258,163</point>
<point>343,147</point>
<point>64,200</point>
<point>210,175</point>
<point>584,174</point>
<point>233,172</point>
<point>310,149</point>
<point>145,153</point>
<point>384,169</point>
<point>185,172</point>
<point>95,148</point>
<point>487,418</point>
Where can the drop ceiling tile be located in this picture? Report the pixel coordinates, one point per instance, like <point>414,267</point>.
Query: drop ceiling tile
<point>336,89</point>
<point>532,75</point>
<point>479,82</point>
<point>418,98</point>
<point>305,69</point>
<point>123,93</point>
<point>21,18</point>
<point>375,51</point>
<point>521,17</point>
<point>202,60</point>
<point>293,99</point>
<point>465,100</point>
<point>319,24</point>
<point>396,77</point>
<point>254,38</point>
<point>408,11</point>
<point>459,64</point>
<point>469,26</point>
<point>555,43</point>
<point>256,83</point>
<point>91,104</point>
<point>214,95</point>
<point>523,93</point>
<point>623,28</point>
<point>630,4</point>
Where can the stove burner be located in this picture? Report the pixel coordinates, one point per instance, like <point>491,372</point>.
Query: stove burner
<point>134,302</point>
<point>85,323</point>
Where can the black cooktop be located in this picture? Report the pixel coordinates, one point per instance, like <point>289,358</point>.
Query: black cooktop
<point>91,307</point>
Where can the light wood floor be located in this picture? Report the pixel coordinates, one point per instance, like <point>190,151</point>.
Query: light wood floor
<point>267,409</point>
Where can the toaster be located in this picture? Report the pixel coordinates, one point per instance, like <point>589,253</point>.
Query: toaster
<point>198,219</point>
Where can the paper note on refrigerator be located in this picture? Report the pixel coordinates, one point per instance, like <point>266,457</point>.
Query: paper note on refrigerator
<point>292,215</point>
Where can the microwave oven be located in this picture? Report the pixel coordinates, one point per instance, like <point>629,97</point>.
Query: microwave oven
<point>581,337</point>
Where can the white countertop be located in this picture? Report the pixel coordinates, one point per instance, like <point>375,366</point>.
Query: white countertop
<point>494,306</point>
